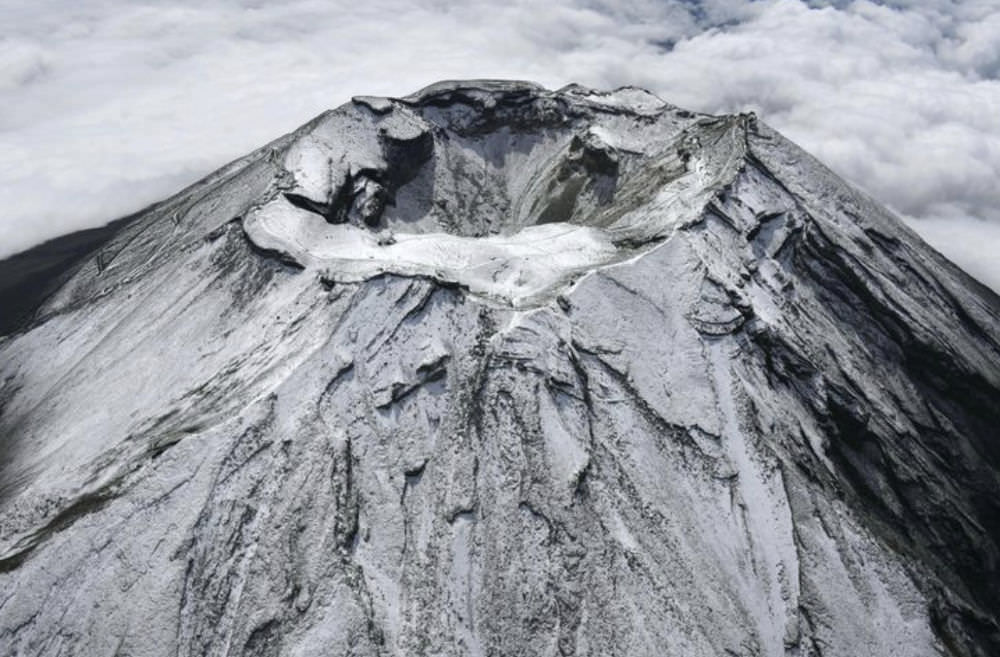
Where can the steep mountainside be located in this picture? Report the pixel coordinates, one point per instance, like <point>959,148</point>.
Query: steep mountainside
<point>495,370</point>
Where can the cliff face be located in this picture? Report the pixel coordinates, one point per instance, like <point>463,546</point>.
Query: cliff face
<point>494,370</point>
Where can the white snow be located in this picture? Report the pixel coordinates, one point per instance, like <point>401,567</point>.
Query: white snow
<point>515,268</point>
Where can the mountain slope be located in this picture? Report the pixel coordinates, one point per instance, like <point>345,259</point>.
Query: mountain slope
<point>491,369</point>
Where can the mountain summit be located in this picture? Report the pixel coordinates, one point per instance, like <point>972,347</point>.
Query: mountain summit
<point>496,370</point>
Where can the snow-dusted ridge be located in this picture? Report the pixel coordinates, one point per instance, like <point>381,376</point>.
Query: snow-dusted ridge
<point>492,369</point>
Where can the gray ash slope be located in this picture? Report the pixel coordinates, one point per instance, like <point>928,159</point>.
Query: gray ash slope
<point>490,370</point>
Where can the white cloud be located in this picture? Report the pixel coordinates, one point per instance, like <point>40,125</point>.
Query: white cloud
<point>969,242</point>
<point>108,105</point>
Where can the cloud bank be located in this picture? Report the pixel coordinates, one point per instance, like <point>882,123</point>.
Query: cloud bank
<point>108,105</point>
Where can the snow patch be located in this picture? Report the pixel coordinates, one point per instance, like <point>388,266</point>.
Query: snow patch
<point>516,268</point>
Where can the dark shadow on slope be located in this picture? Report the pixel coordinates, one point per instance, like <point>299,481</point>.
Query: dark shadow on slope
<point>904,482</point>
<point>29,277</point>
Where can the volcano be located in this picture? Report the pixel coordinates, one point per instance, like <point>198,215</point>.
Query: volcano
<point>496,370</point>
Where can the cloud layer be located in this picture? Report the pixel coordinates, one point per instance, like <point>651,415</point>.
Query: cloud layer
<point>107,105</point>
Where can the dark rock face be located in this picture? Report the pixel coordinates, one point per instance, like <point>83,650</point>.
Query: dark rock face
<point>496,370</point>
<point>362,194</point>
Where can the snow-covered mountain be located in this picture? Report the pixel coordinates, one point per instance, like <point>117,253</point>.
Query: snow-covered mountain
<point>495,370</point>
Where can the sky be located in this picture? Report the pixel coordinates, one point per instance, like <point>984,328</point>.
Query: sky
<point>109,105</point>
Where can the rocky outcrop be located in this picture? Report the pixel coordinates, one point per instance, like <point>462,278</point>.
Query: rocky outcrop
<point>491,370</point>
